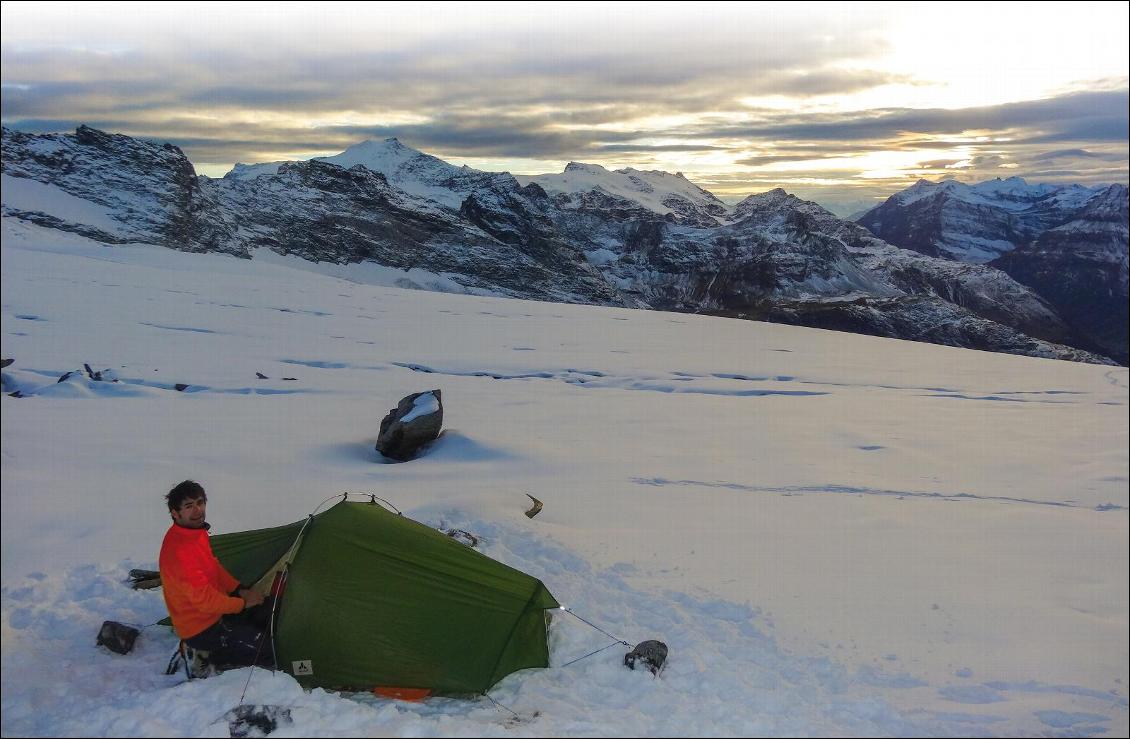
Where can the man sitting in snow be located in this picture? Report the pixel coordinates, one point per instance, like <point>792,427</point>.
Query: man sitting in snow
<point>209,608</point>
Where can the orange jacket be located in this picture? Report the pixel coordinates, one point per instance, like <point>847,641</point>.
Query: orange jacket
<point>195,584</point>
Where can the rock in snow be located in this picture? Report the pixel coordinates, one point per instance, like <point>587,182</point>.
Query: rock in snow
<point>415,421</point>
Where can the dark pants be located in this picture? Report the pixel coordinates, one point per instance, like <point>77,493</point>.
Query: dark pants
<point>236,639</point>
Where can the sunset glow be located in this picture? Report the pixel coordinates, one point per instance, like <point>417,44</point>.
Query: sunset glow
<point>841,102</point>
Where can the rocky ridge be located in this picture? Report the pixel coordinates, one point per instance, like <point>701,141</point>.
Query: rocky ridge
<point>1067,244</point>
<point>629,238</point>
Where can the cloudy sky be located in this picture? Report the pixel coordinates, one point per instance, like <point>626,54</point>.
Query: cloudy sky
<point>841,103</point>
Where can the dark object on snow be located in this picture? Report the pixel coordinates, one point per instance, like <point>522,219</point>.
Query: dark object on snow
<point>117,637</point>
<point>194,661</point>
<point>181,387</point>
<point>651,654</point>
<point>536,509</point>
<point>256,720</point>
<point>261,376</point>
<point>463,537</point>
<point>106,375</point>
<point>290,378</point>
<point>415,421</point>
<point>143,574</point>
<point>7,384</point>
<point>144,579</point>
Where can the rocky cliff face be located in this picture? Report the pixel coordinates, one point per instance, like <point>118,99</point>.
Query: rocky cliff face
<point>1081,269</point>
<point>1068,245</point>
<point>972,223</point>
<point>632,238</point>
<point>316,210</point>
<point>150,191</point>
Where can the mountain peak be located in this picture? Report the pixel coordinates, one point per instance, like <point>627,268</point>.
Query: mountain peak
<point>378,145</point>
<point>585,168</point>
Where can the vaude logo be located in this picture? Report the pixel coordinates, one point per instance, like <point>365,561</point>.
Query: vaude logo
<point>302,667</point>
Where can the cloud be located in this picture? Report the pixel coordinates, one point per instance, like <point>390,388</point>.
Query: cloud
<point>762,160</point>
<point>396,62</point>
<point>646,148</point>
<point>1097,116</point>
<point>1066,154</point>
<point>939,163</point>
<point>608,83</point>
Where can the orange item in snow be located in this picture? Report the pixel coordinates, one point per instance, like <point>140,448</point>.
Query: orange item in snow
<point>412,695</point>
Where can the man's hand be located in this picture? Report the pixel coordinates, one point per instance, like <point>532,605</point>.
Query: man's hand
<point>251,598</point>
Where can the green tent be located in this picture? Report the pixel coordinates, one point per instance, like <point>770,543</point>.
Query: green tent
<point>372,599</point>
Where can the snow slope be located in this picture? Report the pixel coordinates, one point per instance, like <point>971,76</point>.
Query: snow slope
<point>835,534</point>
<point>659,192</point>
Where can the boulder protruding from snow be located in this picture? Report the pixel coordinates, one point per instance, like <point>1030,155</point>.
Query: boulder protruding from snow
<point>415,421</point>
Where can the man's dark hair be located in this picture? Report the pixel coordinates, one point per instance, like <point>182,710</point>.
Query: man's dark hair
<point>187,490</point>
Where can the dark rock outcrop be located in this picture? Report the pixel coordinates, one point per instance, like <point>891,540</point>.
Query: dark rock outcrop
<point>1066,244</point>
<point>1080,268</point>
<point>415,421</point>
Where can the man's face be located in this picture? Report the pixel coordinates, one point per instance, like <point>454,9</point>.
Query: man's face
<point>191,513</point>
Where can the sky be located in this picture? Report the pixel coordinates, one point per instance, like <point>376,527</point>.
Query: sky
<point>842,103</point>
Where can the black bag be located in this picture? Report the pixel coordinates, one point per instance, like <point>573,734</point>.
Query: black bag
<point>651,654</point>
<point>117,637</point>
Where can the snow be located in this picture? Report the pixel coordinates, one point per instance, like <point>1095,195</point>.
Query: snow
<point>971,248</point>
<point>380,156</point>
<point>409,170</point>
<point>1013,194</point>
<point>250,171</point>
<point>648,188</point>
<point>371,273</point>
<point>36,197</point>
<point>424,176</point>
<point>424,405</point>
<point>834,534</point>
<point>601,256</point>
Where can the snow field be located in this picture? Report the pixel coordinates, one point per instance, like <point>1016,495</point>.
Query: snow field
<point>835,534</point>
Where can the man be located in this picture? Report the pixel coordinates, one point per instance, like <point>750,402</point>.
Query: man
<point>209,608</point>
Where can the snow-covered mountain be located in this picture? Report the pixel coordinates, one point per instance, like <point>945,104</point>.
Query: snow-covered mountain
<point>583,187</point>
<point>587,235</point>
<point>1081,268</point>
<point>322,212</point>
<point>408,170</point>
<point>1067,243</point>
<point>973,223</point>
